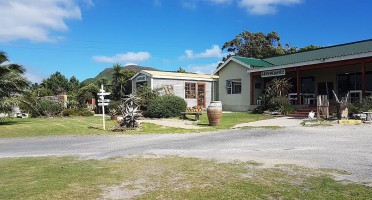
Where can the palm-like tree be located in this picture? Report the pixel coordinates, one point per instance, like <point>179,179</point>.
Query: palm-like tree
<point>11,79</point>
<point>11,83</point>
<point>280,87</point>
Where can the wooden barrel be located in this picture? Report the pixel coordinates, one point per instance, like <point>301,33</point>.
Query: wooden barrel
<point>214,112</point>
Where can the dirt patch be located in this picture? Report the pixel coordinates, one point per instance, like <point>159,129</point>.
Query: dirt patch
<point>172,123</point>
<point>279,121</point>
<point>123,192</point>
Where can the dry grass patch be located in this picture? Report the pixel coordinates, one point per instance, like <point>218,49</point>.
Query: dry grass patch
<point>167,178</point>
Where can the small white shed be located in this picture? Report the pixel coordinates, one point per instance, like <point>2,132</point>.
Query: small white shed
<point>196,89</point>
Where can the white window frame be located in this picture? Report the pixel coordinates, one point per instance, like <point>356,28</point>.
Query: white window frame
<point>230,86</point>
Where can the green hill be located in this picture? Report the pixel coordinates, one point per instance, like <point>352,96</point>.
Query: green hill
<point>108,73</point>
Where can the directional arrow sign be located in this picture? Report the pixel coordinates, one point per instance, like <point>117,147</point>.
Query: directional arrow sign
<point>103,104</point>
<point>104,100</point>
<point>104,93</point>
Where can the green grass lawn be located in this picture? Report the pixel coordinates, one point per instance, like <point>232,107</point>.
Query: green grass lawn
<point>167,178</point>
<point>31,127</point>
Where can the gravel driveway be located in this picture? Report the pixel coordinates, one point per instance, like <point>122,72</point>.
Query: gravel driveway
<point>346,147</point>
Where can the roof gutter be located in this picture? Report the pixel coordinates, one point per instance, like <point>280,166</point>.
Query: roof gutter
<point>185,78</point>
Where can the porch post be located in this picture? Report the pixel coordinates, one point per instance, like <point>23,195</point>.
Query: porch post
<point>298,86</point>
<point>364,79</point>
<point>252,89</point>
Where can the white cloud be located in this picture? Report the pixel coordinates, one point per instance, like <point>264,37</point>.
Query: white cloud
<point>34,78</point>
<point>123,58</point>
<point>34,20</point>
<point>202,69</point>
<point>127,64</point>
<point>34,74</point>
<point>263,7</point>
<point>214,52</point>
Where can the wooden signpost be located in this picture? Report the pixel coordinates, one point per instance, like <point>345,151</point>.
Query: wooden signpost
<point>103,102</point>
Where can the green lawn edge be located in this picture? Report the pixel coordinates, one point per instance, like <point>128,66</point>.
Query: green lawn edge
<point>33,127</point>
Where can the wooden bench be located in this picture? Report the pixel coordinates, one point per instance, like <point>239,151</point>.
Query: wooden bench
<point>196,114</point>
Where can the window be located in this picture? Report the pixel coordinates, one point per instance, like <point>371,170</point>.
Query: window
<point>233,87</point>
<point>257,85</point>
<point>349,81</point>
<point>190,90</point>
<point>308,84</point>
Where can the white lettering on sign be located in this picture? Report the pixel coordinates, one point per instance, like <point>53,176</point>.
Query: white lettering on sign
<point>279,72</point>
<point>141,78</point>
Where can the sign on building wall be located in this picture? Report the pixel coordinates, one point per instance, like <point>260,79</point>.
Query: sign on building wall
<point>278,72</point>
<point>141,78</point>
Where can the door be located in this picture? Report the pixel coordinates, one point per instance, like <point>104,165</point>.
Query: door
<point>201,95</point>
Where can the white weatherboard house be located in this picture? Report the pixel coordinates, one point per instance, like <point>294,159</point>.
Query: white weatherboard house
<point>345,68</point>
<point>196,89</point>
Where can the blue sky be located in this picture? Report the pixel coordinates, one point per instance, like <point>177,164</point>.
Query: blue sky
<point>83,37</point>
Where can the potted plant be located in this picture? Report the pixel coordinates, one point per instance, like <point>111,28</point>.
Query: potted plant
<point>114,112</point>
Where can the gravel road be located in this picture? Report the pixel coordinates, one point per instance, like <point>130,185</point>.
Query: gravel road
<point>346,147</point>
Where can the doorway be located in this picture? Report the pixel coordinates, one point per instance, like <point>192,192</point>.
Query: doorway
<point>201,95</point>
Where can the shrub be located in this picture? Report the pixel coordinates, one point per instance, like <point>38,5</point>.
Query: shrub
<point>114,108</point>
<point>146,95</point>
<point>80,112</point>
<point>266,104</point>
<point>354,108</point>
<point>86,92</point>
<point>262,108</point>
<point>49,108</point>
<point>45,92</point>
<point>6,107</point>
<point>68,112</point>
<point>367,104</point>
<point>84,112</point>
<point>167,106</point>
<point>283,104</point>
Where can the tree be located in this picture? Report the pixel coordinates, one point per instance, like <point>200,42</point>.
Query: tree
<point>73,84</point>
<point>258,45</point>
<point>86,92</point>
<point>11,79</point>
<point>103,81</point>
<point>57,82</point>
<point>279,87</point>
<point>127,74</point>
<point>181,70</point>
<point>255,45</point>
<point>11,83</point>
<point>121,83</point>
<point>308,48</point>
<point>116,86</point>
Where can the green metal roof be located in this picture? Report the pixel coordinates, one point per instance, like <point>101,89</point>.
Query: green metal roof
<point>323,53</point>
<point>252,61</point>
